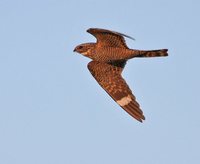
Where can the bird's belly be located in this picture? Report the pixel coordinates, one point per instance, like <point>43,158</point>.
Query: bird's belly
<point>106,54</point>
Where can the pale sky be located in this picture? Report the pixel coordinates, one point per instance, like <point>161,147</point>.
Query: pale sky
<point>52,111</point>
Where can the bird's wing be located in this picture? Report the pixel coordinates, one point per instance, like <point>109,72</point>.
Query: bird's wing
<point>109,38</point>
<point>110,79</point>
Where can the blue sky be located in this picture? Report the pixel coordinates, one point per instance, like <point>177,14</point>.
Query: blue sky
<point>52,111</point>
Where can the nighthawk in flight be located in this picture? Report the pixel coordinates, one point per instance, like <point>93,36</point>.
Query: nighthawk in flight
<point>109,56</point>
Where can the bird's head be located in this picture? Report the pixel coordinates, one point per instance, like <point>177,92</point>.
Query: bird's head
<point>85,49</point>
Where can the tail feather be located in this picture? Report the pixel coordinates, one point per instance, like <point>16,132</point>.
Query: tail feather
<point>153,53</point>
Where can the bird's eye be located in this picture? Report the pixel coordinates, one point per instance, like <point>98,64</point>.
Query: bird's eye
<point>80,47</point>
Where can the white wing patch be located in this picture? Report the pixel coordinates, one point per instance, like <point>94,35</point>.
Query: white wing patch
<point>124,101</point>
<point>84,53</point>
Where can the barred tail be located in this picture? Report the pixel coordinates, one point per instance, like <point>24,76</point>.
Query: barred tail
<point>152,53</point>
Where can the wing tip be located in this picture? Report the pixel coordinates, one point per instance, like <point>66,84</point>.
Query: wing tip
<point>135,113</point>
<point>141,119</point>
<point>91,30</point>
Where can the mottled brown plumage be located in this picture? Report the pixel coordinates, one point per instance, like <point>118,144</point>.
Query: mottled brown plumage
<point>109,56</point>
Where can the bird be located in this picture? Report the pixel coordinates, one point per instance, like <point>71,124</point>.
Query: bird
<point>109,55</point>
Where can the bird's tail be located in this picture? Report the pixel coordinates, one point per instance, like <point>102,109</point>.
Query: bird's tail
<point>151,53</point>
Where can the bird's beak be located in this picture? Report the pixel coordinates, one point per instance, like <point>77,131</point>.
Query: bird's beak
<point>74,50</point>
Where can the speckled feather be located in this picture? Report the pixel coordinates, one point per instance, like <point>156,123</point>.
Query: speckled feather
<point>110,79</point>
<point>109,38</point>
